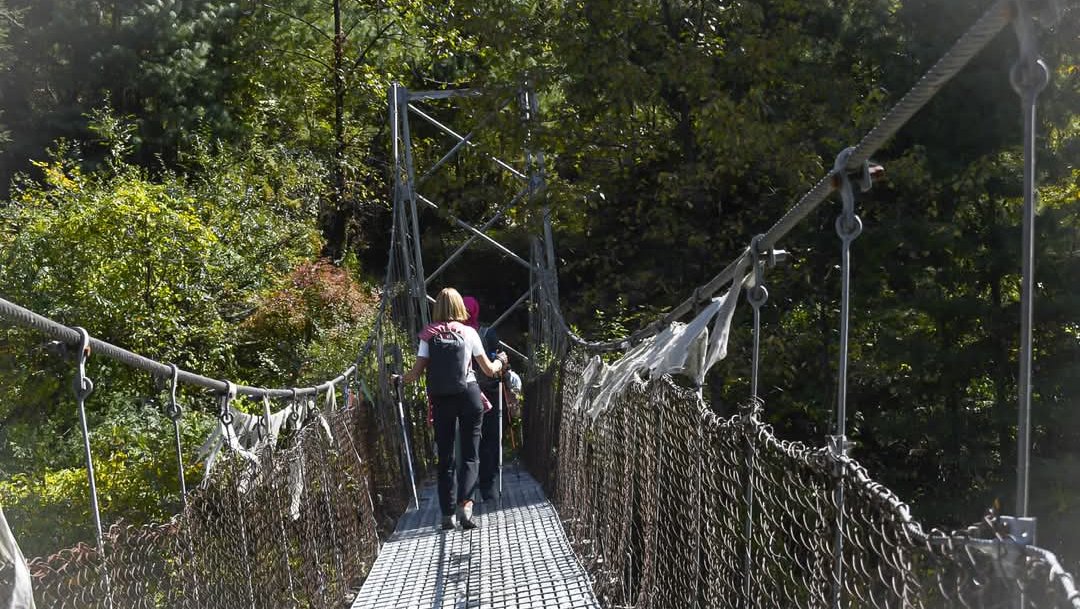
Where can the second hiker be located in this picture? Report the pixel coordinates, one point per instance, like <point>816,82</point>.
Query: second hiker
<point>490,386</point>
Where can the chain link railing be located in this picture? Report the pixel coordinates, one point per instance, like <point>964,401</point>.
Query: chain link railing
<point>297,527</point>
<point>297,524</point>
<point>653,496</point>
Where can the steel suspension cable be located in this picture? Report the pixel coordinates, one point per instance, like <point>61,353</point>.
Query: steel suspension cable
<point>1028,77</point>
<point>83,388</point>
<point>1000,14</point>
<point>70,336</point>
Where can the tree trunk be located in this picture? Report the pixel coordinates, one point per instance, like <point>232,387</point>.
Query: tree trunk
<point>335,218</point>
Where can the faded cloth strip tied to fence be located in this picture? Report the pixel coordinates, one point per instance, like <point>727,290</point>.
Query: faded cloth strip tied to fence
<point>653,492</point>
<point>237,546</point>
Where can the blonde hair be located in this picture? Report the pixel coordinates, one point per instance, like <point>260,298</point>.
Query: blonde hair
<point>449,306</point>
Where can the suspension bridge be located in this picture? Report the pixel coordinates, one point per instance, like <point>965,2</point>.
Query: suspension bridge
<point>630,491</point>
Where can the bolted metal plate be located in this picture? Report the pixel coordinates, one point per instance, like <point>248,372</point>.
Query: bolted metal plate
<point>519,558</point>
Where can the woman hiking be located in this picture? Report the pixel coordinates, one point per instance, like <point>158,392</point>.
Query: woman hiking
<point>447,351</point>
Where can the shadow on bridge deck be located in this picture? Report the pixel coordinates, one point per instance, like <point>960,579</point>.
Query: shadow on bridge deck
<point>519,558</point>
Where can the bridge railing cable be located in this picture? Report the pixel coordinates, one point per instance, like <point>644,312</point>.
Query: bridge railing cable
<point>671,505</point>
<point>966,47</point>
<point>70,336</point>
<point>287,516</point>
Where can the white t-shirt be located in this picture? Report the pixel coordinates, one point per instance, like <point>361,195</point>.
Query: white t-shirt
<point>472,343</point>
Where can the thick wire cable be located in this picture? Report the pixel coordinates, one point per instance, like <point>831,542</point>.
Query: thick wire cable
<point>69,336</point>
<point>973,40</point>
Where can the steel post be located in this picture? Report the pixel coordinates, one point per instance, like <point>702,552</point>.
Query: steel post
<point>416,282</point>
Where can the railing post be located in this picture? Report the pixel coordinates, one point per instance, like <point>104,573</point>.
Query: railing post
<point>400,230</point>
<point>417,285</point>
<point>848,228</point>
<point>757,294</point>
<point>83,388</point>
<point>1028,77</point>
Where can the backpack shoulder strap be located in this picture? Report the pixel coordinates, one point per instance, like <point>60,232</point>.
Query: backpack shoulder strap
<point>432,329</point>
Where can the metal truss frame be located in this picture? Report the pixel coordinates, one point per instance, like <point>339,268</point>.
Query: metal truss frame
<point>409,201</point>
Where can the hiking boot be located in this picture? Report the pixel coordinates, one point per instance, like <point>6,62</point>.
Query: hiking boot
<point>465,515</point>
<point>449,523</point>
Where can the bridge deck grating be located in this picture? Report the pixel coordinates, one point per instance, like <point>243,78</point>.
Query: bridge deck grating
<point>519,558</point>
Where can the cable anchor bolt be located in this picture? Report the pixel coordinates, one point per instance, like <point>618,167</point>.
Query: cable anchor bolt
<point>840,445</point>
<point>1017,533</point>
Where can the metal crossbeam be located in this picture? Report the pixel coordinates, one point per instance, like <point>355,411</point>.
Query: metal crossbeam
<point>444,94</point>
<point>513,307</point>
<point>461,144</point>
<point>407,196</point>
<point>521,193</point>
<point>475,231</point>
<point>455,134</point>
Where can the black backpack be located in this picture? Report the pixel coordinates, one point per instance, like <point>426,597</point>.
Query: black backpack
<point>448,361</point>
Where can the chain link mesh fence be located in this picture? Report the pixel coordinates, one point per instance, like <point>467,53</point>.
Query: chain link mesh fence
<point>299,526</point>
<point>669,505</point>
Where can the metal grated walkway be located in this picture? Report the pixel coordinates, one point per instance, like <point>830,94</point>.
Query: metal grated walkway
<point>519,558</point>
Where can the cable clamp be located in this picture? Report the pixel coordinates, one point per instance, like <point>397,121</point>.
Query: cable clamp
<point>225,414</point>
<point>848,231</point>
<point>83,385</point>
<point>839,446</point>
<point>1020,529</point>
<point>1029,78</point>
<point>264,425</point>
<point>758,294</point>
<point>172,409</point>
<point>1014,534</point>
<point>1030,74</point>
<point>294,414</point>
<point>842,179</point>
